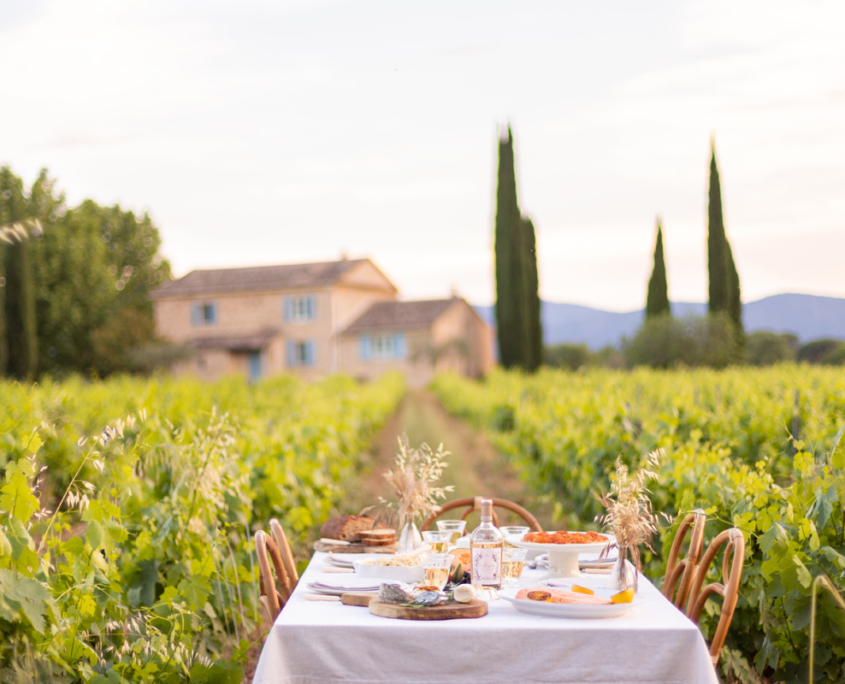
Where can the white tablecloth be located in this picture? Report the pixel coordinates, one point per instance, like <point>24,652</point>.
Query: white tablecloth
<point>313,642</point>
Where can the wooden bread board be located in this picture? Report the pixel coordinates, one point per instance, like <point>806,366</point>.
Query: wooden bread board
<point>358,598</point>
<point>445,611</point>
<point>355,547</point>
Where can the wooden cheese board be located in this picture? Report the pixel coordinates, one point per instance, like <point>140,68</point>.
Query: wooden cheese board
<point>358,598</point>
<point>354,547</point>
<point>445,611</point>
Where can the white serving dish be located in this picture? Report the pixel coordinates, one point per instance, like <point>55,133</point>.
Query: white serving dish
<point>574,611</point>
<point>563,558</point>
<point>408,574</point>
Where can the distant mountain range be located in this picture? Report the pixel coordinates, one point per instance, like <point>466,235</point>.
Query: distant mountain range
<point>807,316</point>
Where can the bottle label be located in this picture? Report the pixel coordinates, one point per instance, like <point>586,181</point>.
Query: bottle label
<point>487,566</point>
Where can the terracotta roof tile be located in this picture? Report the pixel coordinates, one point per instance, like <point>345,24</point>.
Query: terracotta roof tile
<point>400,316</point>
<point>281,277</point>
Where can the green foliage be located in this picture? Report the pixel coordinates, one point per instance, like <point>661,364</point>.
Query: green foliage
<point>133,245</point>
<point>657,300</point>
<point>510,280</point>
<point>533,322</point>
<point>764,348</point>
<point>91,269</point>
<point>20,348</point>
<point>568,356</point>
<point>724,288</point>
<point>114,343</point>
<point>666,342</point>
<point>518,319</point>
<point>728,451</point>
<point>825,351</point>
<point>125,552</point>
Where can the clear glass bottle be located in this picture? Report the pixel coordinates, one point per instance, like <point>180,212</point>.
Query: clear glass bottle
<point>486,546</point>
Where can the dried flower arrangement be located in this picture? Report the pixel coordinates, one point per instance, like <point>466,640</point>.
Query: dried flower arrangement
<point>414,479</point>
<point>629,513</point>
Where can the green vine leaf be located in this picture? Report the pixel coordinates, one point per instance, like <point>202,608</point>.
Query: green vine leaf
<point>24,594</point>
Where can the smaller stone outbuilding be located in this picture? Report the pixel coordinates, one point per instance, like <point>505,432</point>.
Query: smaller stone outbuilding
<point>419,338</point>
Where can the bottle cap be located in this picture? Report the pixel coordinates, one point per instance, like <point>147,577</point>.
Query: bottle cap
<point>486,510</point>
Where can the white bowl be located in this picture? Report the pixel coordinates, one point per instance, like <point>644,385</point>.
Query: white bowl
<point>398,573</point>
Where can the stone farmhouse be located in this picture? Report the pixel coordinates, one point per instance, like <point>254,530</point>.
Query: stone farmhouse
<point>316,319</point>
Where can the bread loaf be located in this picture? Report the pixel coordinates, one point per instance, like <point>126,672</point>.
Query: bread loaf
<point>346,527</point>
<point>380,534</point>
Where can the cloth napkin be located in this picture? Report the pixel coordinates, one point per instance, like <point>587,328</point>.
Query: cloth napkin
<point>322,587</point>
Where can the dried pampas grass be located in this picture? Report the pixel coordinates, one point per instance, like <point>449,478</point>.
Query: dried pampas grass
<point>629,513</point>
<point>413,481</point>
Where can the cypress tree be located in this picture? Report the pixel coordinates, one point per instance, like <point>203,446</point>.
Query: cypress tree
<point>657,301</point>
<point>534,325</point>
<point>21,334</point>
<point>510,287</point>
<point>734,300</point>
<point>724,277</point>
<point>717,262</point>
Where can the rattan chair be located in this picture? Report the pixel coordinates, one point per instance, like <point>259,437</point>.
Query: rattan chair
<point>272,599</point>
<point>474,504</point>
<point>679,573</point>
<point>728,589</point>
<point>281,540</point>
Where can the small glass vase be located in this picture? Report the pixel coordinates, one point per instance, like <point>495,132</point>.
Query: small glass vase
<point>409,540</point>
<point>624,574</point>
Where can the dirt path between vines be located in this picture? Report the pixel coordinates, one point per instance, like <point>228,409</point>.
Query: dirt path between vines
<point>475,467</point>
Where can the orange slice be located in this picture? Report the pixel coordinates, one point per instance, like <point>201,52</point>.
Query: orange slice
<point>626,596</point>
<point>583,590</point>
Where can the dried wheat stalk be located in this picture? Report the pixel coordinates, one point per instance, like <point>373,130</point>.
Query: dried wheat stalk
<point>629,513</point>
<point>413,481</point>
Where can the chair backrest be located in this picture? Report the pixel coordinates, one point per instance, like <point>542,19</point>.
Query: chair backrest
<point>271,599</point>
<point>728,589</point>
<point>679,573</point>
<point>281,540</point>
<point>474,504</point>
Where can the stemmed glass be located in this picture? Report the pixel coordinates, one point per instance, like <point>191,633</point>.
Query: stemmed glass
<point>438,541</point>
<point>455,527</point>
<point>513,530</point>
<point>436,567</point>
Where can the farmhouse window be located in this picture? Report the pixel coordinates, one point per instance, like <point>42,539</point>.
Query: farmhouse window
<point>301,308</point>
<point>301,353</point>
<point>383,347</point>
<point>204,314</point>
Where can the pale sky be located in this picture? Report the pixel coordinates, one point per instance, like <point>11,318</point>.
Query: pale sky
<point>271,132</point>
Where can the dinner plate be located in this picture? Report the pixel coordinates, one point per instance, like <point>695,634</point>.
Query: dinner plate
<point>574,611</point>
<point>336,587</point>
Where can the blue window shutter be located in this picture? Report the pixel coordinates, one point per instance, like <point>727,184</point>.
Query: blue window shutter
<point>196,314</point>
<point>312,307</point>
<point>400,346</point>
<point>288,307</point>
<point>213,311</point>
<point>291,353</point>
<point>366,347</point>
<point>310,352</point>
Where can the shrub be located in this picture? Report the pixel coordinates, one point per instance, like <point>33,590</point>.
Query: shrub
<point>568,356</point>
<point>667,342</point>
<point>765,348</point>
<point>817,351</point>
